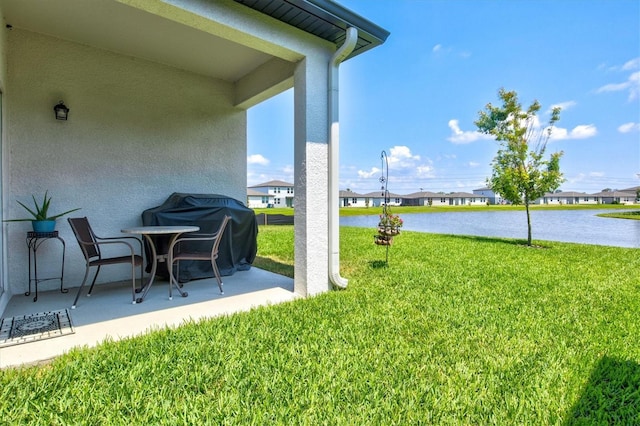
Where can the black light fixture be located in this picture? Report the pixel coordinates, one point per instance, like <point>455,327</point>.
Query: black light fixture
<point>61,110</point>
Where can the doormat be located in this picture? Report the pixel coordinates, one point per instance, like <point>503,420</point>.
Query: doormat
<point>34,327</point>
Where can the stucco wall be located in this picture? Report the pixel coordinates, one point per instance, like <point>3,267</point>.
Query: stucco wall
<point>137,132</point>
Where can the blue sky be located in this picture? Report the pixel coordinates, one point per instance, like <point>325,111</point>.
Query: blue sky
<point>417,95</point>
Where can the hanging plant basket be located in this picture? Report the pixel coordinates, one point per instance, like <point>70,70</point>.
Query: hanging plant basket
<point>388,231</point>
<point>383,240</point>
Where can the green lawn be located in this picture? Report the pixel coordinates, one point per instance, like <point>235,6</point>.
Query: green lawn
<point>635,215</point>
<point>454,330</point>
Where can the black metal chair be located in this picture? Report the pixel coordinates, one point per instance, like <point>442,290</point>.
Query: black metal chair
<point>90,245</point>
<point>184,249</point>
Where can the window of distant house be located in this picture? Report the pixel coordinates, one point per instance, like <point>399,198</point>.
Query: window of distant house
<point>586,198</point>
<point>277,190</point>
<point>473,200</point>
<point>443,200</point>
<point>354,201</point>
<point>289,190</point>
<point>276,201</point>
<point>397,200</point>
<point>265,200</point>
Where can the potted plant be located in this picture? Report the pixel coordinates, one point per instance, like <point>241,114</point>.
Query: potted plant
<point>389,224</point>
<point>40,219</point>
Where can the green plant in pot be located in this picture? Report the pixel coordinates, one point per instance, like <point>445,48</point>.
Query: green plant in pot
<point>40,219</point>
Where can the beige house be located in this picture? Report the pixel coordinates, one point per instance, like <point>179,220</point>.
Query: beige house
<point>567,197</point>
<point>158,92</point>
<point>353,199</point>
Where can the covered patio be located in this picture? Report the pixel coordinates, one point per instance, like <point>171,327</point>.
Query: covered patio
<point>109,314</point>
<point>158,93</point>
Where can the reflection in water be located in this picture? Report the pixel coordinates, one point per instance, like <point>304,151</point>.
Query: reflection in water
<point>574,226</point>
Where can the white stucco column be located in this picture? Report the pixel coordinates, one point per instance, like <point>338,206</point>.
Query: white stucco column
<point>311,176</point>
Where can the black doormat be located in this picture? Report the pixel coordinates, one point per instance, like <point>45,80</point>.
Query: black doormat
<point>34,327</point>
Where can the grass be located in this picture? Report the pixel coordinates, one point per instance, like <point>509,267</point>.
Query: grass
<point>634,215</point>
<point>454,330</point>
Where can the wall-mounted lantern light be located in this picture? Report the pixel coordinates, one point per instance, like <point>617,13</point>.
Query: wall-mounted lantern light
<point>61,110</point>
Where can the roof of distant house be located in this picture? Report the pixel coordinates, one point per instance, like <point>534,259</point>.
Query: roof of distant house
<point>273,183</point>
<point>254,193</point>
<point>423,194</point>
<point>612,194</point>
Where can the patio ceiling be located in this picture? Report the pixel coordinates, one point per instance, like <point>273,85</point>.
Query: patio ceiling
<point>117,27</point>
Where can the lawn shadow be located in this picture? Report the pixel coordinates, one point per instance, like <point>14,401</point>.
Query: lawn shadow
<point>273,266</point>
<point>612,395</point>
<point>377,264</point>
<point>508,241</point>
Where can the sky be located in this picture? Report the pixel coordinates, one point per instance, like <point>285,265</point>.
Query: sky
<point>416,96</point>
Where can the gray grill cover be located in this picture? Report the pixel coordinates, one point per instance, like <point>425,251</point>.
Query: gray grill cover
<point>238,246</point>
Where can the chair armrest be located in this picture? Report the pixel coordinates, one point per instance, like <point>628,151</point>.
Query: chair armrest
<point>99,243</point>
<point>104,240</point>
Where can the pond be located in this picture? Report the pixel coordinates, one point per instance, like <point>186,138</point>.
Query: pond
<point>573,226</point>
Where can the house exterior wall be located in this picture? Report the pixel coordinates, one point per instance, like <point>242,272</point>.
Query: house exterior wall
<point>488,194</point>
<point>439,201</point>
<point>477,201</point>
<point>355,201</point>
<point>587,199</point>
<point>4,293</point>
<point>137,132</point>
<point>279,196</point>
<point>259,202</point>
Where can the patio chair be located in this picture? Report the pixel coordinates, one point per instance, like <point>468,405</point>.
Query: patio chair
<point>184,249</point>
<point>90,245</point>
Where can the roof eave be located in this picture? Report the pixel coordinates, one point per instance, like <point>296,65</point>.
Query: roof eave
<point>331,17</point>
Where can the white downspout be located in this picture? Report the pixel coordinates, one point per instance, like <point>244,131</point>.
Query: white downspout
<point>334,157</point>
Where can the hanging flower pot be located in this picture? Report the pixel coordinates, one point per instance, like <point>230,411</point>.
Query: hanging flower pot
<point>388,230</point>
<point>383,240</point>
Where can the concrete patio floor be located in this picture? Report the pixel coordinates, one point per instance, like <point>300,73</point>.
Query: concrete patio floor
<point>109,313</point>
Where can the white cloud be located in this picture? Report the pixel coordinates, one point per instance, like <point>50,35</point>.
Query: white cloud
<point>425,171</point>
<point>366,175</point>
<point>257,159</point>
<point>473,164</point>
<point>401,155</point>
<point>288,169</point>
<point>583,131</point>
<point>562,105</point>
<point>439,49</point>
<point>632,85</point>
<point>631,65</point>
<point>629,127</point>
<point>596,174</point>
<point>463,137</point>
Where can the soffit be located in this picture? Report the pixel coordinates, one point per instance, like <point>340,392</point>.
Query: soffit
<point>123,29</point>
<point>117,27</point>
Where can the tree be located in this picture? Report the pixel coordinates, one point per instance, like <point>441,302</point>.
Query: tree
<point>520,172</point>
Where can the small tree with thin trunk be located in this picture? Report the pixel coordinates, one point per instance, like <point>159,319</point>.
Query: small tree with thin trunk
<point>520,173</point>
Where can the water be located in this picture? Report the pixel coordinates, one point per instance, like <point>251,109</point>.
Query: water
<point>574,226</point>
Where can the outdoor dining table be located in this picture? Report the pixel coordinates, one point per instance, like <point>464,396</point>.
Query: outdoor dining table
<point>147,232</point>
